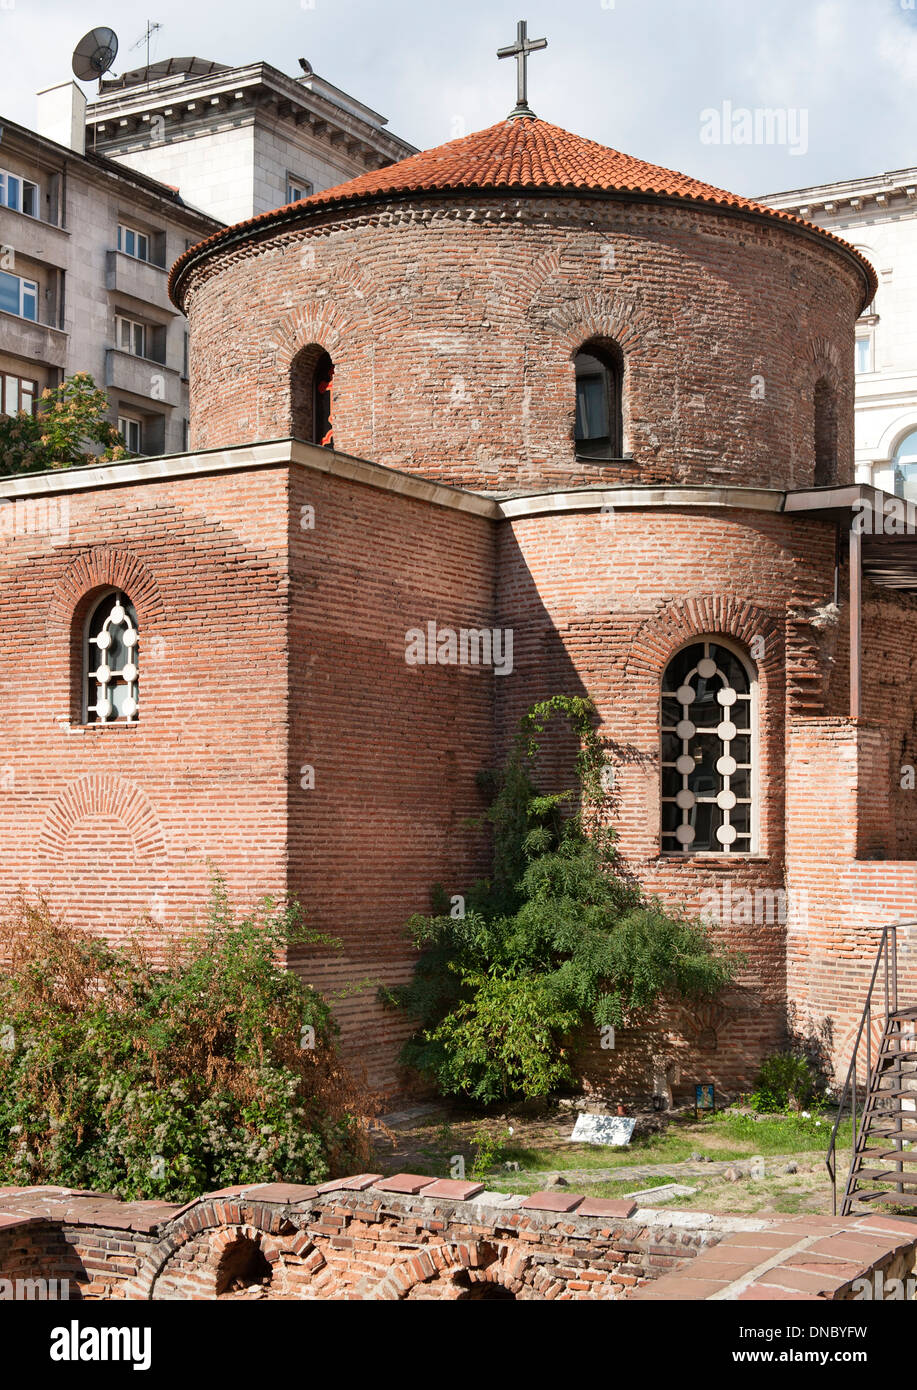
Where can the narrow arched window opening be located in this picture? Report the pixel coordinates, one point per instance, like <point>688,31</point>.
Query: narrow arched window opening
<point>312,396</point>
<point>111,655</point>
<point>825,435</point>
<point>709,715</point>
<point>599,428</point>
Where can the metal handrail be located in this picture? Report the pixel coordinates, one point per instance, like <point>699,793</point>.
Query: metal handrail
<point>887,954</point>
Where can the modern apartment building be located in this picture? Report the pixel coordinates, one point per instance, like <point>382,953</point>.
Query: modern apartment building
<point>878,214</point>
<point>85,250</point>
<point>238,141</point>
<point>97,204</point>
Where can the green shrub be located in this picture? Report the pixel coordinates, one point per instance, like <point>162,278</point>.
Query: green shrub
<point>786,1081</point>
<point>559,936</point>
<point>216,1069</point>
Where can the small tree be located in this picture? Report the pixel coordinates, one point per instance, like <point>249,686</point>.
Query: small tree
<point>71,417</point>
<point>559,936</point>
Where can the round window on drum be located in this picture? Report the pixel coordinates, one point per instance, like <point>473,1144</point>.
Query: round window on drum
<point>111,662</point>
<point>708,752</point>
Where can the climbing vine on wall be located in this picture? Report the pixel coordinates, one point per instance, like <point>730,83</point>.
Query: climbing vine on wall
<point>558,939</point>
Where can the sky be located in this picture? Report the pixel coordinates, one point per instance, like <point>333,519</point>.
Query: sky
<point>682,83</point>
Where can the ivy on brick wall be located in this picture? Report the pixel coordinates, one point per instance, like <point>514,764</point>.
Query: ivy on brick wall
<point>558,940</point>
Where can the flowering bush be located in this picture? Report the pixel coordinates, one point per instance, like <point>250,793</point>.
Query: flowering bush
<point>214,1070</point>
<point>71,418</point>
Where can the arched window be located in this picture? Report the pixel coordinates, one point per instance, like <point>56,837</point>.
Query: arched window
<point>825,434</point>
<point>905,467</point>
<point>311,395</point>
<point>599,428</point>
<point>708,751</point>
<point>111,661</point>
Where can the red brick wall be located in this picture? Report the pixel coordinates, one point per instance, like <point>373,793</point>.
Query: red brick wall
<point>115,823</point>
<point>452,325</point>
<point>395,747</point>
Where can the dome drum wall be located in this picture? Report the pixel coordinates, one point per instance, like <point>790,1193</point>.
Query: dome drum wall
<point>453,324</point>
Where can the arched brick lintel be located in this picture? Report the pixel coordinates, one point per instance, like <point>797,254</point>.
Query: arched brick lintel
<point>101,794</point>
<point>682,621</point>
<point>103,568</point>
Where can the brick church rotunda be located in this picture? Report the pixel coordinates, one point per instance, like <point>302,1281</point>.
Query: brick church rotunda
<point>526,387</point>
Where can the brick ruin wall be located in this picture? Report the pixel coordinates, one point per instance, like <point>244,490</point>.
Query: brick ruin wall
<point>412,1238</point>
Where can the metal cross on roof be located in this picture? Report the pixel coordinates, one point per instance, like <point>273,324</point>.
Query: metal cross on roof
<point>520,50</point>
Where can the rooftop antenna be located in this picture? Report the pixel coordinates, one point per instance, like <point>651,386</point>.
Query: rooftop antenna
<point>151,27</point>
<point>94,54</point>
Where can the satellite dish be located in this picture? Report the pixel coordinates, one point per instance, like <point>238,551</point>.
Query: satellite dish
<point>94,54</point>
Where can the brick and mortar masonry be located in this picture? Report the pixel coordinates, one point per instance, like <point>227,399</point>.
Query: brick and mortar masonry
<point>413,1237</point>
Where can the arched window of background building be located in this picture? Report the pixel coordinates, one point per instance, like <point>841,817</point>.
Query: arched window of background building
<point>825,434</point>
<point>709,711</point>
<point>311,411</point>
<point>111,672</point>
<point>599,428</point>
<point>905,467</point>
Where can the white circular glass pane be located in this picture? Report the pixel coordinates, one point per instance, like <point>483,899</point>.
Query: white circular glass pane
<point>727,730</point>
<point>726,834</point>
<point>103,675</point>
<point>685,729</point>
<point>129,708</point>
<point>726,696</point>
<point>685,799</point>
<point>726,800</point>
<point>103,641</point>
<point>706,668</point>
<point>103,709</point>
<point>726,765</point>
<point>130,638</point>
<point>684,834</point>
<point>129,673</point>
<point>685,764</point>
<point>685,695</point>
<point>117,614</point>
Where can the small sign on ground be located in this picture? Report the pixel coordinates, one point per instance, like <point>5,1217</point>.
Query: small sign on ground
<point>616,1130</point>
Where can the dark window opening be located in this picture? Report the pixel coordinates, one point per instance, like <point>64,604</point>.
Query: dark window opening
<point>599,428</point>
<point>312,396</point>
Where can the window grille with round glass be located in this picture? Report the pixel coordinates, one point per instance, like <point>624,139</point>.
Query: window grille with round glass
<point>707,752</point>
<point>112,662</point>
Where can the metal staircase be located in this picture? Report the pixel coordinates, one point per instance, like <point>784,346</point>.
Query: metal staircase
<point>883,1172</point>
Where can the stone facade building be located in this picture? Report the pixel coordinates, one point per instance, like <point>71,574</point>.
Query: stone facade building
<point>529,389</point>
<point>85,247</point>
<point>238,140</point>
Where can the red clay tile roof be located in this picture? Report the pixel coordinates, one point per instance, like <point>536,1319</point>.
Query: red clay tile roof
<point>521,154</point>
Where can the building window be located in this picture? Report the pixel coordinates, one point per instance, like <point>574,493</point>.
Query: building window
<point>131,431</point>
<point>17,393</point>
<point>297,189</point>
<point>110,662</point>
<point>599,428</point>
<point>19,194</point>
<point>131,336</point>
<point>708,751</point>
<point>18,296</point>
<point>312,396</point>
<point>905,467</point>
<point>825,435</point>
<point>863,353</point>
<point>133,243</point>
